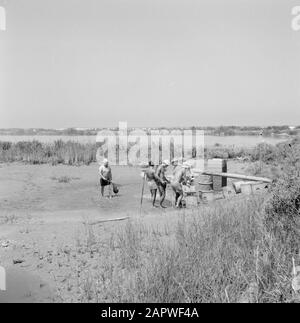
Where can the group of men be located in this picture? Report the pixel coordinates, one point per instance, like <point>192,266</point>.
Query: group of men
<point>158,181</point>
<point>156,178</point>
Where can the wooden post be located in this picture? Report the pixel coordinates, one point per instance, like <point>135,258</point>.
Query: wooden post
<point>219,166</point>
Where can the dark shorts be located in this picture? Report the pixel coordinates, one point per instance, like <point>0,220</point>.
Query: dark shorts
<point>161,188</point>
<point>104,182</point>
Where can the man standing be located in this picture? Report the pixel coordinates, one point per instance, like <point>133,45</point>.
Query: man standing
<point>105,177</point>
<point>152,181</point>
<point>162,181</point>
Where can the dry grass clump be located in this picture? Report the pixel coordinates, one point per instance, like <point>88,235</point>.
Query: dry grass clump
<point>64,179</point>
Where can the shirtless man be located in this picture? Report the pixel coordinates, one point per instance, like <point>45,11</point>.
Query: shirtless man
<point>175,164</point>
<point>152,181</point>
<point>105,177</point>
<point>179,178</point>
<point>162,181</point>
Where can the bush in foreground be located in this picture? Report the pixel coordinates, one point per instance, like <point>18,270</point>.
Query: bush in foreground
<point>282,216</point>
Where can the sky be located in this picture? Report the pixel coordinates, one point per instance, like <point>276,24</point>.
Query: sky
<point>93,63</point>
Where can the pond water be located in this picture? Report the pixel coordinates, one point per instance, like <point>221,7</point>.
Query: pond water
<point>23,287</point>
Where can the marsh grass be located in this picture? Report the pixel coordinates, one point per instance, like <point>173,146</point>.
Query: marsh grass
<point>75,153</point>
<point>60,152</point>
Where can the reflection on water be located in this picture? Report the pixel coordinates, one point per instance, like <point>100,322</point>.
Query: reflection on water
<point>23,287</point>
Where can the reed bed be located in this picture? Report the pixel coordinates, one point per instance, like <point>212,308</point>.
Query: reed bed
<point>75,153</point>
<point>60,152</point>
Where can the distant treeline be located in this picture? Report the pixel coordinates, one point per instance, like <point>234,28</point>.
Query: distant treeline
<point>218,131</point>
<point>74,153</point>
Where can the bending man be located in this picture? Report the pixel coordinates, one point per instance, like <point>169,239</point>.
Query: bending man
<point>180,177</point>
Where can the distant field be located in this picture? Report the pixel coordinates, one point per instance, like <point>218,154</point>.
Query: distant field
<point>238,141</point>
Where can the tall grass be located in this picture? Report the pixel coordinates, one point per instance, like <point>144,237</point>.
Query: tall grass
<point>74,153</point>
<point>264,152</point>
<point>60,152</point>
<point>224,254</point>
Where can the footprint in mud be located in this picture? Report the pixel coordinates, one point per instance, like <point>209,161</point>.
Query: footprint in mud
<point>23,287</point>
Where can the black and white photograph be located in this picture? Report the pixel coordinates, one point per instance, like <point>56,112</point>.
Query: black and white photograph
<point>149,154</point>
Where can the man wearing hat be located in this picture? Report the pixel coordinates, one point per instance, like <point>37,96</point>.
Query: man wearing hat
<point>175,164</point>
<point>152,181</point>
<point>162,181</point>
<point>105,177</point>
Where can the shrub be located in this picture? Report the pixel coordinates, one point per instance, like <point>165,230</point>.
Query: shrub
<point>264,152</point>
<point>283,208</point>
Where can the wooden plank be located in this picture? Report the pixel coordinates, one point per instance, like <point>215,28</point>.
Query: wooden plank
<point>106,220</point>
<point>235,176</point>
